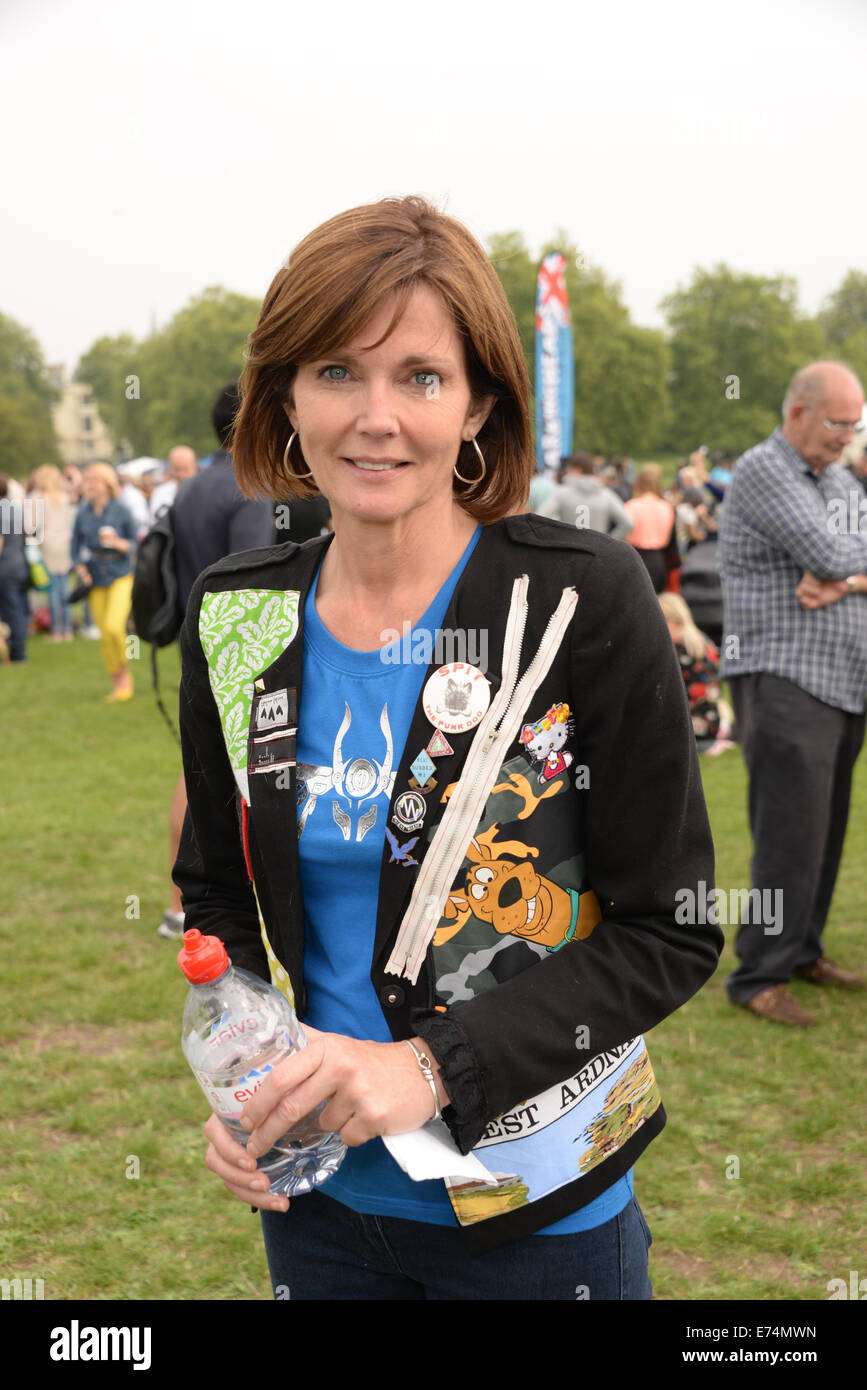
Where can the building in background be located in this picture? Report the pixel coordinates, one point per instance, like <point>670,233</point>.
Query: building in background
<point>81,434</point>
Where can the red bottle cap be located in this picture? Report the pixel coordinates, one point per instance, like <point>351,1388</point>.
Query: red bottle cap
<point>202,958</point>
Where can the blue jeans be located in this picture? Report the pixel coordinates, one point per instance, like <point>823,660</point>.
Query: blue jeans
<point>321,1249</point>
<point>58,604</point>
<point>15,610</point>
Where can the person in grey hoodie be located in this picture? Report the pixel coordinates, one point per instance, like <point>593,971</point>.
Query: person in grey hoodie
<point>583,500</point>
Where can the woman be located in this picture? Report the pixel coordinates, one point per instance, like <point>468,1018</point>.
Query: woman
<point>57,518</point>
<point>654,529</point>
<point>454,797</point>
<point>103,539</point>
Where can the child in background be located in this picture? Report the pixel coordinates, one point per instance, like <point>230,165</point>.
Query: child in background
<point>712,718</point>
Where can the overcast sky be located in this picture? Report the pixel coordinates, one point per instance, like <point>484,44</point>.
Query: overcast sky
<point>151,150</point>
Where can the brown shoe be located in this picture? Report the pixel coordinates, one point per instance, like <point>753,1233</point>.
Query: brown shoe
<point>776,1004</point>
<point>824,972</point>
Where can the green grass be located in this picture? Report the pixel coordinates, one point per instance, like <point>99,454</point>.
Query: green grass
<point>91,1027</point>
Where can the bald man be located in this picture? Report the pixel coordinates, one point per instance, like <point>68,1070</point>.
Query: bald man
<point>182,465</point>
<point>794,573</point>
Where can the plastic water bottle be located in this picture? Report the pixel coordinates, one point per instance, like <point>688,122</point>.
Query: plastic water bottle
<point>236,1030</point>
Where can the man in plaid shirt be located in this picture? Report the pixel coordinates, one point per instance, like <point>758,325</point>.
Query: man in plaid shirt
<point>794,571</point>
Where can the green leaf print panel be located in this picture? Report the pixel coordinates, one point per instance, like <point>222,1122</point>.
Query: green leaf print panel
<point>242,633</point>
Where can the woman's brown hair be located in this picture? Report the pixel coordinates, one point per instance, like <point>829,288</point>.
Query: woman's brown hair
<point>334,280</point>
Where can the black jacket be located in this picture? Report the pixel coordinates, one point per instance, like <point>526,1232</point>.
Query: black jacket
<point>623,818</point>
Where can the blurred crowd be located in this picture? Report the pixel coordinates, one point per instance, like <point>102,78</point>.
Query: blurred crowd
<point>44,549</point>
<point>674,530</point>
<point>71,522</point>
<point>68,534</point>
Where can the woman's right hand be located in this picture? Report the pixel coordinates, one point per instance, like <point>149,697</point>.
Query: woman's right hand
<point>83,573</point>
<point>230,1161</point>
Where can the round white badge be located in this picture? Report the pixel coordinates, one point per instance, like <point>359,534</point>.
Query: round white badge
<point>455,697</point>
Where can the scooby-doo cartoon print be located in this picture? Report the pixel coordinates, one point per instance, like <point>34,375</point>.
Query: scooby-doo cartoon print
<point>516,900</point>
<point>508,909</point>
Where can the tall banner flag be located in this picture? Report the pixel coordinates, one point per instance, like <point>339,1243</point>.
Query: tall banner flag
<point>555,376</point>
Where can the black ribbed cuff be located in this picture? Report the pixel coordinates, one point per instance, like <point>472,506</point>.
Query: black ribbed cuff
<point>466,1116</point>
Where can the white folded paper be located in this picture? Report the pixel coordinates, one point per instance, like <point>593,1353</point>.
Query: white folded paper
<point>432,1153</point>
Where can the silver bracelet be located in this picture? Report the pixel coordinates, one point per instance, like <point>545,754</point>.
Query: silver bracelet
<point>426,1067</point>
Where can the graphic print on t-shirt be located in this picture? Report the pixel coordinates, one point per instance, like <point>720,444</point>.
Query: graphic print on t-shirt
<point>361,780</point>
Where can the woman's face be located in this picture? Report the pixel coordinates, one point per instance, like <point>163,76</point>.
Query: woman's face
<point>380,427</point>
<point>96,489</point>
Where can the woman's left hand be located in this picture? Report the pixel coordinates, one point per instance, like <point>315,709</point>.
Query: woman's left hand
<point>370,1088</point>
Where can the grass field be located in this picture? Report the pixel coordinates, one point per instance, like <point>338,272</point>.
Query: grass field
<point>756,1189</point>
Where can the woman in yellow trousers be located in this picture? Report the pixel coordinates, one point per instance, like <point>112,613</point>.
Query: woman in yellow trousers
<point>103,541</point>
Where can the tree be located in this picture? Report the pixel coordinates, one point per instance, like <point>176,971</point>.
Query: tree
<point>159,392</point>
<point>621,391</point>
<point>27,436</point>
<point>184,366</point>
<point>843,320</point>
<point>623,406</point>
<point>517,271</point>
<point>736,341</point>
<point>845,311</point>
<point>112,369</point>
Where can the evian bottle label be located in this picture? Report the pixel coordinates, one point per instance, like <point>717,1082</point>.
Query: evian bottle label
<point>239,1053</point>
<point>228,1098</point>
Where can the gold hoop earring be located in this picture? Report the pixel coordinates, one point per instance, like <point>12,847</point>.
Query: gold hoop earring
<point>472,481</point>
<point>290,472</point>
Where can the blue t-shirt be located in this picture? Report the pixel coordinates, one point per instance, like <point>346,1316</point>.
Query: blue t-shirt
<point>353,723</point>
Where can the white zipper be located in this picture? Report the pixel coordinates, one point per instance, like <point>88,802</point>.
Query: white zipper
<point>495,734</point>
<point>422,898</point>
